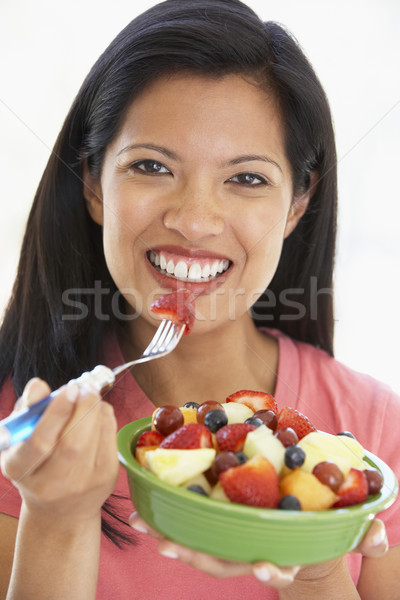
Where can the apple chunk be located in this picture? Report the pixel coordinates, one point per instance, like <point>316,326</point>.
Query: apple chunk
<point>261,441</point>
<point>178,466</point>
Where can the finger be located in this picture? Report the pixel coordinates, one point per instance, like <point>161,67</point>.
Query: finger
<point>137,523</point>
<point>274,576</point>
<point>106,457</point>
<point>67,431</point>
<point>36,449</point>
<point>216,567</point>
<point>83,430</point>
<point>375,542</point>
<point>36,389</point>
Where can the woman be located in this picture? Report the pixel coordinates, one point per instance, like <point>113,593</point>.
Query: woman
<point>201,137</point>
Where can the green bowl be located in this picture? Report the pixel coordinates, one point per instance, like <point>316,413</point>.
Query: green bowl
<point>244,533</point>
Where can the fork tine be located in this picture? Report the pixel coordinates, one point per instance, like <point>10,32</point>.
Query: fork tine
<point>164,341</point>
<point>161,342</point>
<point>159,335</point>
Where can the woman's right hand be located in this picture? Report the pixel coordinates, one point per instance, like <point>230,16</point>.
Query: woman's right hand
<point>69,464</point>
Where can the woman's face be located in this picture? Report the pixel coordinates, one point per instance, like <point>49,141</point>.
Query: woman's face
<point>196,192</point>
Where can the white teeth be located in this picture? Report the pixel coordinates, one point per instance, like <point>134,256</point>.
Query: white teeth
<point>194,271</point>
<point>205,272</point>
<point>181,270</point>
<point>214,268</point>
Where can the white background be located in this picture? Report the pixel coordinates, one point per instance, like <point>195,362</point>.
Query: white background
<point>47,48</point>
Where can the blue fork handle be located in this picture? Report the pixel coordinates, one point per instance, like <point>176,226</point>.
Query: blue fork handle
<point>18,426</point>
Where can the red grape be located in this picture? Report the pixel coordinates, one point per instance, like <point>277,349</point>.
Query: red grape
<point>268,417</point>
<point>287,436</point>
<point>329,474</point>
<point>375,481</point>
<point>167,419</point>
<point>205,408</point>
<point>223,461</point>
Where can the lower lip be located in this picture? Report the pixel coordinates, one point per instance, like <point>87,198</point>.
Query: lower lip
<point>200,288</point>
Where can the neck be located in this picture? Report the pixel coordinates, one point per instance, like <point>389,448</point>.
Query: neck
<point>207,366</point>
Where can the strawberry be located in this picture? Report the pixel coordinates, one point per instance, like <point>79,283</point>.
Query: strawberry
<point>149,438</point>
<point>254,400</point>
<point>254,483</point>
<point>177,307</point>
<point>290,417</point>
<point>353,490</point>
<point>232,437</point>
<point>189,437</point>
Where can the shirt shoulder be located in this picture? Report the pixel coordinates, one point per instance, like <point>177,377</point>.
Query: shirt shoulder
<point>343,398</point>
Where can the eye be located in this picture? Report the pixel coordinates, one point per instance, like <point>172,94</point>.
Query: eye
<point>250,179</point>
<point>149,167</point>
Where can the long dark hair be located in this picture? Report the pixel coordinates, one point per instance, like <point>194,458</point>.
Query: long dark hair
<point>62,247</point>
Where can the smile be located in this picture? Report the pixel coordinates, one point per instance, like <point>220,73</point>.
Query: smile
<point>193,270</point>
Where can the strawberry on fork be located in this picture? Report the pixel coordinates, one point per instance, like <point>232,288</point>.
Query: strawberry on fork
<point>177,307</point>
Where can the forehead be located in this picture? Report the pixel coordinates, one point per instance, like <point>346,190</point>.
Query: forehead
<point>229,111</point>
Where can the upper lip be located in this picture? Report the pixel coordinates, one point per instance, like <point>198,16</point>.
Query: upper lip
<point>189,252</point>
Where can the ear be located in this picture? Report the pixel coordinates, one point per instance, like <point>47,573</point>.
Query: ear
<point>300,204</point>
<point>92,194</point>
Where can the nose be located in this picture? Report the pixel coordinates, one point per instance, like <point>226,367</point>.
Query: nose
<point>195,214</point>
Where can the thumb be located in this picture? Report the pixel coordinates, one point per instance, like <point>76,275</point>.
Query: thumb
<point>36,389</point>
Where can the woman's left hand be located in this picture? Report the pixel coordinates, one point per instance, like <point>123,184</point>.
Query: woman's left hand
<point>373,545</point>
<point>266,573</point>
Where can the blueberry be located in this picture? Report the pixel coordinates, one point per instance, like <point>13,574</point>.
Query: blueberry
<point>197,489</point>
<point>348,433</point>
<point>294,456</point>
<point>242,458</point>
<point>254,421</point>
<point>215,419</point>
<point>289,502</point>
<point>191,405</point>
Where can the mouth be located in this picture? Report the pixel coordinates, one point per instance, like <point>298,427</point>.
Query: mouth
<point>188,269</point>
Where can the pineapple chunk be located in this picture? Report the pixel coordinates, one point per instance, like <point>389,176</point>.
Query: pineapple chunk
<point>189,415</point>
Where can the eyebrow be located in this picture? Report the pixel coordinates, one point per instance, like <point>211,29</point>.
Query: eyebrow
<point>161,149</point>
<point>251,157</point>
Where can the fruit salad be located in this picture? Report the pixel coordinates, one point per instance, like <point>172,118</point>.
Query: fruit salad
<point>245,450</point>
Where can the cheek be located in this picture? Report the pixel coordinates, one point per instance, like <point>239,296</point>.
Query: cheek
<point>262,242</point>
<point>127,216</point>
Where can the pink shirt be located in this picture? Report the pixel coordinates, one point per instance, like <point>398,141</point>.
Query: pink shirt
<point>334,397</point>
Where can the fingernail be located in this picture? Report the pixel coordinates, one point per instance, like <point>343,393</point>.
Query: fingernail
<point>139,528</point>
<point>262,573</point>
<point>168,553</point>
<point>72,392</point>
<point>379,537</point>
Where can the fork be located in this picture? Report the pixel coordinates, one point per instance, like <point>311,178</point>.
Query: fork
<point>19,426</point>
